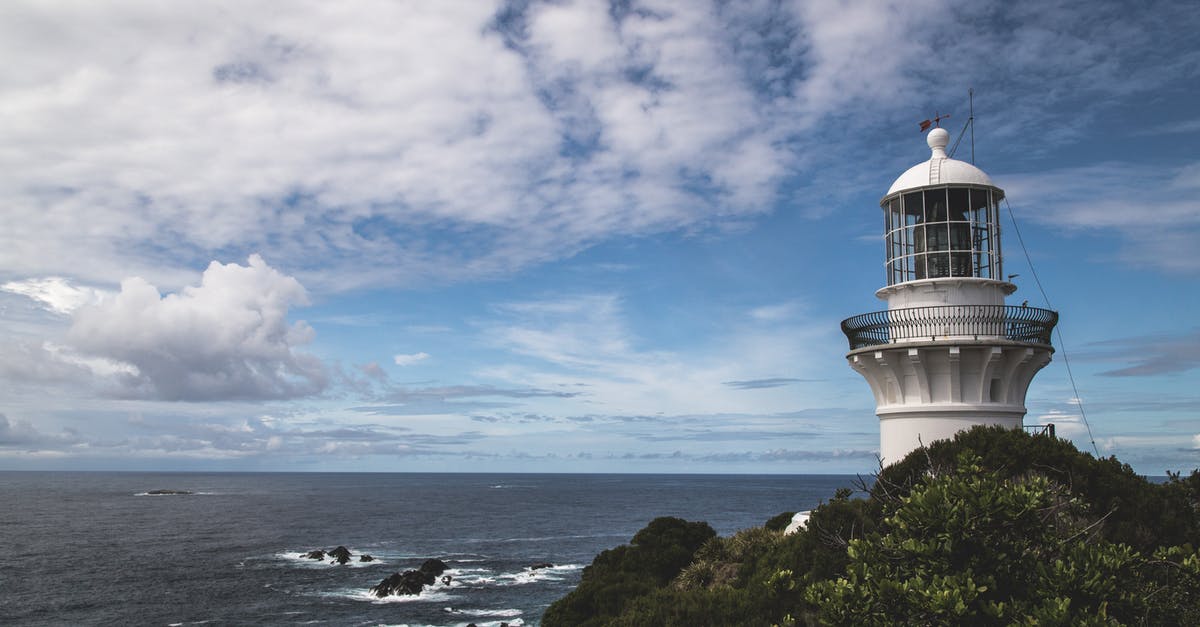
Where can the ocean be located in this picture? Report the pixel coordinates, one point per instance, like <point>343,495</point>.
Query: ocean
<point>97,548</point>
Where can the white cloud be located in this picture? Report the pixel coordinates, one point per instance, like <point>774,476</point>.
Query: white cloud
<point>408,360</point>
<point>347,141</point>
<point>22,434</point>
<point>227,338</point>
<point>775,313</point>
<point>331,136</point>
<point>585,342</point>
<point>55,293</point>
<point>1152,208</point>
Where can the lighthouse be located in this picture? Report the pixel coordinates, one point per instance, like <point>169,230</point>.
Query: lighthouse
<point>948,353</point>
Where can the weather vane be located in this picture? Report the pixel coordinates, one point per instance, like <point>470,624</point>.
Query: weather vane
<point>936,121</point>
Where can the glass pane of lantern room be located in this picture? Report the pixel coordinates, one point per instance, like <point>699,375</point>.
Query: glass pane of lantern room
<point>960,204</point>
<point>935,205</point>
<point>914,212</point>
<point>984,231</point>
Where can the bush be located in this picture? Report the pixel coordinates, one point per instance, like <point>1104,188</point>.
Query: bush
<point>779,522</point>
<point>973,547</point>
<point>993,527</point>
<point>618,576</point>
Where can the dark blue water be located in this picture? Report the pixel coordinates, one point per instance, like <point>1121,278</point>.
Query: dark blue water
<point>93,548</point>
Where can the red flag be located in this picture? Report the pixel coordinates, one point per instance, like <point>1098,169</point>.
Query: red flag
<point>925,124</point>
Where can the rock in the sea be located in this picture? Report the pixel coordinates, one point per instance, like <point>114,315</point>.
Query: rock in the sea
<point>365,558</point>
<point>340,555</point>
<point>540,565</point>
<point>318,554</point>
<point>434,567</point>
<point>446,579</point>
<point>161,492</point>
<point>410,582</point>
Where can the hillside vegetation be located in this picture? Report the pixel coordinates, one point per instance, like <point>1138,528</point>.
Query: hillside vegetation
<point>995,527</point>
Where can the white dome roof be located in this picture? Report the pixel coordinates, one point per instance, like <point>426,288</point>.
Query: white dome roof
<point>940,169</point>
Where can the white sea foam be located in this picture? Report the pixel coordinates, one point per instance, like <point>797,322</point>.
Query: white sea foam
<point>516,622</point>
<point>428,595</point>
<point>177,494</point>
<point>298,559</point>
<point>483,576</point>
<point>500,613</point>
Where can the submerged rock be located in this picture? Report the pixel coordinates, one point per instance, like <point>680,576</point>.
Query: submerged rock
<point>318,554</point>
<point>162,492</point>
<point>365,558</point>
<point>541,565</point>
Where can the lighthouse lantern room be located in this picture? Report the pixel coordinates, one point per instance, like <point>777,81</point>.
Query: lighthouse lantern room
<point>948,353</point>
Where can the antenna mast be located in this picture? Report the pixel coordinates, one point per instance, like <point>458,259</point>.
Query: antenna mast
<point>971,120</point>
<point>970,124</point>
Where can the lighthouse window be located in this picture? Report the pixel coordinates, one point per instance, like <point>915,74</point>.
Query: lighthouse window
<point>935,205</point>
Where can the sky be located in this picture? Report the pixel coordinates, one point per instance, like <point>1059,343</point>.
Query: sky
<point>573,236</point>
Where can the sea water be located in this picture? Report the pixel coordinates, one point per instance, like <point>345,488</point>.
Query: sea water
<point>97,548</point>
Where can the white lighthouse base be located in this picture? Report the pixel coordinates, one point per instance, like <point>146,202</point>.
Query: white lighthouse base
<point>900,434</point>
<point>926,391</point>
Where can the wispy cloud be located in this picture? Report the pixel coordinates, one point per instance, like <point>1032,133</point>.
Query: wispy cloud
<point>56,294</point>
<point>759,384</point>
<point>1151,208</point>
<point>409,359</point>
<point>1151,355</point>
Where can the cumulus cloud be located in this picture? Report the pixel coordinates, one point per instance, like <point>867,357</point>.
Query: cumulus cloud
<point>227,338</point>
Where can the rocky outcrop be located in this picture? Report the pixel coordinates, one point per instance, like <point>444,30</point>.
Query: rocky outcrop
<point>341,555</point>
<point>434,567</point>
<point>540,565</point>
<point>162,492</point>
<point>410,582</point>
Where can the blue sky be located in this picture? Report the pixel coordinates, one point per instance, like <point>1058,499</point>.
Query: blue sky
<point>562,237</point>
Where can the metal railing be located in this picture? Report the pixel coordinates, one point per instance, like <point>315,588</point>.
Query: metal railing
<point>1046,429</point>
<point>1019,324</point>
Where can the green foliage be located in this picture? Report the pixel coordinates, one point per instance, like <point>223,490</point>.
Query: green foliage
<point>618,576</point>
<point>672,607</point>
<point>993,527</point>
<point>1138,513</point>
<point>779,522</point>
<point>973,547</point>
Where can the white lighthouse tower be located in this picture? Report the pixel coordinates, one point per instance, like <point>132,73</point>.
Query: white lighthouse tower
<point>948,353</point>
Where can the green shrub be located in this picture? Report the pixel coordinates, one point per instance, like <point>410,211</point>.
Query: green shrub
<point>655,555</point>
<point>994,527</point>
<point>779,522</point>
